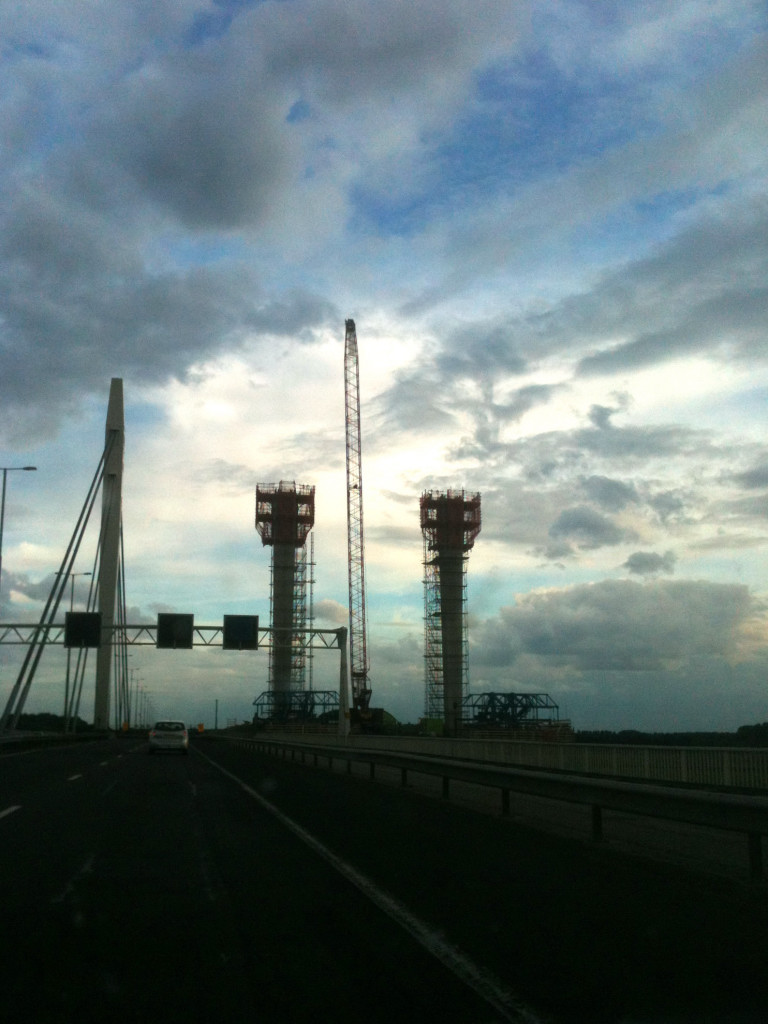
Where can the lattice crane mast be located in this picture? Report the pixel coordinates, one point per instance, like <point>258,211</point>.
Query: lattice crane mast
<point>358,654</point>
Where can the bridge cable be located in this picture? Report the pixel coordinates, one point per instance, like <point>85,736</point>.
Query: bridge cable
<point>18,695</point>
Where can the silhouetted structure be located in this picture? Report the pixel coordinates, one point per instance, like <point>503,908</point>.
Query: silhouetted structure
<point>358,632</point>
<point>450,522</point>
<point>285,513</point>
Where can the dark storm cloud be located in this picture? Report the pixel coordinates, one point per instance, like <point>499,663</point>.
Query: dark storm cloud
<point>80,306</point>
<point>39,592</point>
<point>587,528</point>
<point>753,479</point>
<point>396,46</point>
<point>648,563</point>
<point>704,291</point>
<point>210,147</point>
<point>148,329</point>
<point>575,454</point>
<point>612,495</point>
<point>525,399</point>
<point>669,506</point>
<point>156,150</point>
<point>35,591</point>
<point>618,625</point>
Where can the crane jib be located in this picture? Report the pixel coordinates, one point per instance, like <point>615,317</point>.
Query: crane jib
<point>358,653</point>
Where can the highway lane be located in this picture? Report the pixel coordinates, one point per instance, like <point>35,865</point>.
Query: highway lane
<point>209,883</point>
<point>133,886</point>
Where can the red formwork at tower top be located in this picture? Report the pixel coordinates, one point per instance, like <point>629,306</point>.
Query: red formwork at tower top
<point>285,513</point>
<point>450,520</point>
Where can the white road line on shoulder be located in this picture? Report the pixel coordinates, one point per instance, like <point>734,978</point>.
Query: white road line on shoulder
<point>73,777</point>
<point>81,872</point>
<point>10,810</point>
<point>109,787</point>
<point>466,970</point>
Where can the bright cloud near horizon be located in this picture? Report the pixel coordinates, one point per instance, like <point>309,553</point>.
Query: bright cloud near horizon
<point>549,221</point>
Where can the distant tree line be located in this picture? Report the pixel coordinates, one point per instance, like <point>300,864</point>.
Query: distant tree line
<point>745,736</point>
<point>46,721</point>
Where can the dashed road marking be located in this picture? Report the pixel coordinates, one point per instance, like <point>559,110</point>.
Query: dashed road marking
<point>10,810</point>
<point>69,888</point>
<point>73,777</point>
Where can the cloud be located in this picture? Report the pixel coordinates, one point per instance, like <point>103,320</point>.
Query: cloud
<point>208,148</point>
<point>612,495</point>
<point>648,563</point>
<point>619,625</point>
<point>549,223</point>
<point>586,528</point>
<point>328,610</point>
<point>753,479</point>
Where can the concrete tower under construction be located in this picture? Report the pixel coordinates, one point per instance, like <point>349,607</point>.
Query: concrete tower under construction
<point>285,514</point>
<point>450,522</point>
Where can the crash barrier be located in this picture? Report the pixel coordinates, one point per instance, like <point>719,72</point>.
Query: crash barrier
<point>733,812</point>
<point>731,767</point>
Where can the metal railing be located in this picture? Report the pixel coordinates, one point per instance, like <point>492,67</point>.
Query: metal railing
<point>731,767</point>
<point>732,812</point>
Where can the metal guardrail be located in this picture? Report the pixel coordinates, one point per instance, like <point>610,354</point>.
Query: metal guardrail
<point>733,812</point>
<point>743,768</point>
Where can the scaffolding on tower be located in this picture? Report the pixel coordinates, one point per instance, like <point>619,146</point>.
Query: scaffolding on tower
<point>285,514</point>
<point>450,523</point>
<point>358,653</point>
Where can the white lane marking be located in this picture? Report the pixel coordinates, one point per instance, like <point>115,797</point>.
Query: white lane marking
<point>73,777</point>
<point>81,872</point>
<point>193,787</point>
<point>10,810</point>
<point>110,786</point>
<point>465,969</point>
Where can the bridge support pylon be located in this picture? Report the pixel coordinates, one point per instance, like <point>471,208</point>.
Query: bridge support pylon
<point>111,513</point>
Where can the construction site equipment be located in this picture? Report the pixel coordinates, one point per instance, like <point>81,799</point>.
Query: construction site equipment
<point>358,654</point>
<point>302,706</point>
<point>513,711</point>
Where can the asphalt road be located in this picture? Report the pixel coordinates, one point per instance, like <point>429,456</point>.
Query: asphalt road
<point>232,887</point>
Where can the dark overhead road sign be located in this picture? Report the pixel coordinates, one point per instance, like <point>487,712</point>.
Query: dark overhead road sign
<point>82,629</point>
<point>241,633</point>
<point>175,631</point>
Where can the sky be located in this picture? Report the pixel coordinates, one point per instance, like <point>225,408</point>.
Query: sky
<point>549,221</point>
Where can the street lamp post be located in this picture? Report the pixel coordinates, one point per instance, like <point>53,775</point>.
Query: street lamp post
<point>6,470</point>
<point>134,704</point>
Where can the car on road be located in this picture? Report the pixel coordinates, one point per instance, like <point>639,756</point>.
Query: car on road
<point>169,735</point>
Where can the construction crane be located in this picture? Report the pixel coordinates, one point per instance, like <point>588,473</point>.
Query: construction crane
<point>358,654</point>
